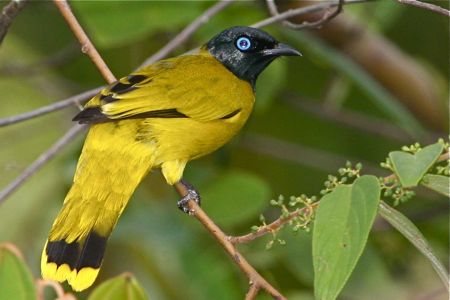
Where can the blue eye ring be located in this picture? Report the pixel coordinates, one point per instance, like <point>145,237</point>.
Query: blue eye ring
<point>243,43</point>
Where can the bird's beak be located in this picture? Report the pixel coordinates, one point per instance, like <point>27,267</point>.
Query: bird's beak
<point>281,50</point>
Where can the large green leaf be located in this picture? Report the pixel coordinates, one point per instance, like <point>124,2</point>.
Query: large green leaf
<point>410,168</point>
<point>413,234</point>
<point>123,287</point>
<point>235,197</point>
<point>343,221</point>
<point>113,23</point>
<point>16,281</point>
<point>438,183</point>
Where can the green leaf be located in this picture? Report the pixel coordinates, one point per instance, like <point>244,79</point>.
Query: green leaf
<point>235,197</point>
<point>410,168</point>
<point>108,25</point>
<point>343,221</point>
<point>413,234</point>
<point>16,281</point>
<point>122,287</point>
<point>438,183</point>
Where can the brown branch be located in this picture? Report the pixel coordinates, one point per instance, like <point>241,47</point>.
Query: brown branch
<point>9,12</point>
<point>427,6</point>
<point>327,16</point>
<point>254,277</point>
<point>86,45</point>
<point>252,291</point>
<point>40,161</point>
<point>303,11</point>
<point>187,32</point>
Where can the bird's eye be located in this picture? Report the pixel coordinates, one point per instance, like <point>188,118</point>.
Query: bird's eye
<point>243,43</point>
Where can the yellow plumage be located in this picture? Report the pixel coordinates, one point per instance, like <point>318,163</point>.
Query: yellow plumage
<point>161,116</point>
<point>117,155</point>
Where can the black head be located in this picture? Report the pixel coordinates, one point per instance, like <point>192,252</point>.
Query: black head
<point>247,51</point>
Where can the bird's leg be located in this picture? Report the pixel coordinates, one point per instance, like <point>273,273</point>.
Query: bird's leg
<point>190,193</point>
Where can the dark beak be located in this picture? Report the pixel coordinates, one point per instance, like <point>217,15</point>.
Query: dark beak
<point>281,50</point>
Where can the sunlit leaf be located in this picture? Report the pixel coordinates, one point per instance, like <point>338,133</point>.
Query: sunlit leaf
<point>343,221</point>
<point>410,168</point>
<point>122,287</point>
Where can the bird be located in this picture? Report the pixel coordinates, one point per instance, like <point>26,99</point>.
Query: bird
<point>158,117</point>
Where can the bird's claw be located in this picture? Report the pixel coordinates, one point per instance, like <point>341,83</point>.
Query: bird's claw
<point>183,204</point>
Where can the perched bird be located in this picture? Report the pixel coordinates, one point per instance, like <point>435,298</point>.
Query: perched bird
<point>161,116</point>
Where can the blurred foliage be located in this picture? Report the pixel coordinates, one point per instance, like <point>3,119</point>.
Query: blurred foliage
<point>170,253</point>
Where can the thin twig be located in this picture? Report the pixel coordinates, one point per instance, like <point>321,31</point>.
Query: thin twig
<point>86,44</point>
<point>187,32</point>
<point>252,292</point>
<point>254,277</point>
<point>9,12</point>
<point>427,6</point>
<point>40,161</point>
<point>327,16</point>
<point>302,11</point>
<point>74,100</point>
<point>274,226</point>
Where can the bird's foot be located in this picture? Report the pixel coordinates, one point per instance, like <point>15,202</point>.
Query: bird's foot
<point>192,194</point>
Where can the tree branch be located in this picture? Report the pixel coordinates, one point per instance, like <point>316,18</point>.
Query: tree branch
<point>327,16</point>
<point>303,11</point>
<point>255,279</point>
<point>40,161</point>
<point>9,12</point>
<point>86,45</point>
<point>427,6</point>
<point>274,226</point>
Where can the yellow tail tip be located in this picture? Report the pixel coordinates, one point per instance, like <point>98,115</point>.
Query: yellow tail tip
<point>82,279</point>
<point>78,279</point>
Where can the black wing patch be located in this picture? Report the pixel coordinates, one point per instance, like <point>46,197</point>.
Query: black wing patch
<point>120,88</point>
<point>93,115</point>
<point>232,114</point>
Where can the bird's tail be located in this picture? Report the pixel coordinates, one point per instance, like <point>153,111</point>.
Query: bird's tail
<point>110,167</point>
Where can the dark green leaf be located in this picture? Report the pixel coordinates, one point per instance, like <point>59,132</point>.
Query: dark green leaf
<point>343,221</point>
<point>413,234</point>
<point>410,168</point>
<point>438,183</point>
<point>16,281</point>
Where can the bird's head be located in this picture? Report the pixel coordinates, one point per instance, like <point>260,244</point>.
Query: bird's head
<point>247,51</point>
